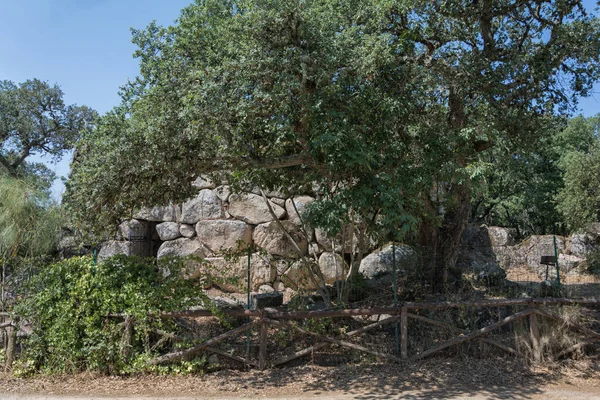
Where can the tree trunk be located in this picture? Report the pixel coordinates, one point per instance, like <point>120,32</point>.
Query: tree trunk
<point>441,244</point>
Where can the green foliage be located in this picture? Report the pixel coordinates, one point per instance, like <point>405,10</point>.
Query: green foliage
<point>546,186</point>
<point>71,304</point>
<point>29,220</point>
<point>579,200</point>
<point>372,102</point>
<point>517,187</point>
<point>592,262</point>
<point>29,232</point>
<point>34,119</point>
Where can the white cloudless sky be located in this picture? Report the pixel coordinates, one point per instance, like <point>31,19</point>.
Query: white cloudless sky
<point>85,47</point>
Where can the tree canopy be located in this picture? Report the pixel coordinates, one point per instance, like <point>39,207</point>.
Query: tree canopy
<point>34,119</point>
<point>387,107</point>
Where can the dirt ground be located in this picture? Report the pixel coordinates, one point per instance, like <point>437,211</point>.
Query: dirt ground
<point>440,378</point>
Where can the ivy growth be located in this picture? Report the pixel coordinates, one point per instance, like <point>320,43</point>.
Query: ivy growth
<point>104,318</point>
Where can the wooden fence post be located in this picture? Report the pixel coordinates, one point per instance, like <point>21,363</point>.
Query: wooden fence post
<point>404,333</point>
<point>262,352</point>
<point>534,330</point>
<point>11,334</point>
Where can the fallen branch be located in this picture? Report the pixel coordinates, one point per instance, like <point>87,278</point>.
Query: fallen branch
<point>180,355</point>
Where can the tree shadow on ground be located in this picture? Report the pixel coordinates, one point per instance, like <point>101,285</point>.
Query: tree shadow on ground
<point>438,378</point>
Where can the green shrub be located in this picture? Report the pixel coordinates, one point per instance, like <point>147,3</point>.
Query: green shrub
<point>73,304</point>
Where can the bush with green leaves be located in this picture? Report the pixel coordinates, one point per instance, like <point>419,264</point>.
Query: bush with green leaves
<point>73,308</point>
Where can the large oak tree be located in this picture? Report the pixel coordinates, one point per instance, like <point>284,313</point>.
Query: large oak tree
<point>383,106</point>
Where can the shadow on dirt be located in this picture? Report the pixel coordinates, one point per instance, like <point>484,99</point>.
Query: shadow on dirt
<point>438,378</point>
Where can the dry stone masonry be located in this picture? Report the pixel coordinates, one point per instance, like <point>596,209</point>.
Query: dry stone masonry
<point>219,226</point>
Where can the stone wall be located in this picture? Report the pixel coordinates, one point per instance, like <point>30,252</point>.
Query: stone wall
<point>497,245</point>
<point>217,224</point>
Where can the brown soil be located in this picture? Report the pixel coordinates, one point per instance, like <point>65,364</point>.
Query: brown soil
<point>436,378</point>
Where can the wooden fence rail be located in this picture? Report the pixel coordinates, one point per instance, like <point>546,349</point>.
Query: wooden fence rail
<point>280,319</point>
<point>274,319</point>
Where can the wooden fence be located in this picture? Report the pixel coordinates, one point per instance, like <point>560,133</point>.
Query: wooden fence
<point>269,319</point>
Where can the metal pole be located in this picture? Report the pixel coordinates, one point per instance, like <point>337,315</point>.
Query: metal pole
<point>395,294</point>
<point>248,304</point>
<point>556,263</point>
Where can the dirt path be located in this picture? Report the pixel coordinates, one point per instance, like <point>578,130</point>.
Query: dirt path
<point>548,393</point>
<point>457,378</point>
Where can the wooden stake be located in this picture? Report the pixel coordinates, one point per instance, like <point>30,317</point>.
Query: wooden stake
<point>262,353</point>
<point>534,331</point>
<point>11,334</point>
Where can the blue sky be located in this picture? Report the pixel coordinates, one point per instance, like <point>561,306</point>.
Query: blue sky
<point>85,46</point>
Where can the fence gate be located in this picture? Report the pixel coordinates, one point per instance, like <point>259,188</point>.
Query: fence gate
<point>140,239</point>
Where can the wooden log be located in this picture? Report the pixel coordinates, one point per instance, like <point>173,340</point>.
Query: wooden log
<point>179,355</point>
<point>128,336</point>
<point>579,328</point>
<point>320,345</point>
<point>462,331</point>
<point>6,324</point>
<point>262,352</point>
<point>11,343</point>
<point>534,331</point>
<point>231,356</point>
<point>367,328</point>
<point>340,342</point>
<point>301,353</point>
<point>403,333</point>
<point>373,311</point>
<point>577,346</point>
<point>474,334</point>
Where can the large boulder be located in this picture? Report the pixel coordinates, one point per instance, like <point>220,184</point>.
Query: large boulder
<point>537,246</point>
<point>273,239</point>
<point>487,273</point>
<point>380,263</point>
<point>203,182</point>
<point>113,248</point>
<point>133,229</point>
<point>295,207</point>
<point>181,247</point>
<point>224,235</point>
<point>297,276</point>
<point>252,208</point>
<point>581,244</point>
<point>168,231</point>
<point>346,239</point>
<point>569,263</point>
<point>333,267</point>
<point>206,205</point>
<point>223,191</point>
<point>501,237</point>
<point>159,214</point>
<point>187,231</point>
